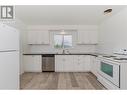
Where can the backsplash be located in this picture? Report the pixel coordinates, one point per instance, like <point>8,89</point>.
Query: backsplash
<point>76,49</point>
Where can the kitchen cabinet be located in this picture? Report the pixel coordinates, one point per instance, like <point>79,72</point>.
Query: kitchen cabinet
<point>38,37</point>
<point>72,63</point>
<point>123,76</point>
<point>87,62</point>
<point>94,64</point>
<point>68,63</point>
<point>32,63</point>
<point>81,63</point>
<point>64,63</point>
<point>87,37</point>
<point>93,37</point>
<point>59,63</point>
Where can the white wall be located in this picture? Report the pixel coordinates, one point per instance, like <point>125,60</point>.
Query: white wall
<point>21,27</point>
<point>113,33</point>
<point>49,48</point>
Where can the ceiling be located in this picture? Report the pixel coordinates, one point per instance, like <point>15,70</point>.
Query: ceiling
<point>64,14</point>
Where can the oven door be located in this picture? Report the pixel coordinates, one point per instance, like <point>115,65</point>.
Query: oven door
<point>110,71</point>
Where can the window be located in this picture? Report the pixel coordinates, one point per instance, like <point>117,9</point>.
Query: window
<point>58,41</point>
<point>62,41</point>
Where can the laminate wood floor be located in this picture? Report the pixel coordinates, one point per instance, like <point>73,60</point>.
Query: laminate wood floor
<point>61,81</point>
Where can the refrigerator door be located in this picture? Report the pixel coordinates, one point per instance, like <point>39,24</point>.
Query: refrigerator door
<point>9,70</point>
<point>9,38</point>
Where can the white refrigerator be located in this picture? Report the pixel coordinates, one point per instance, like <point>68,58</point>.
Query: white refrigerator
<point>9,58</point>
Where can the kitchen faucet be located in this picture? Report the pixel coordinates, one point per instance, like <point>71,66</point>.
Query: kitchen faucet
<point>65,51</point>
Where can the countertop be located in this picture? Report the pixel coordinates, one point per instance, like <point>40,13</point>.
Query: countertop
<point>93,54</point>
<point>85,53</point>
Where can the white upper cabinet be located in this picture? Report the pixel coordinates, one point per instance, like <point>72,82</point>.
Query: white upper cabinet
<point>31,37</point>
<point>87,37</point>
<point>38,37</point>
<point>93,35</point>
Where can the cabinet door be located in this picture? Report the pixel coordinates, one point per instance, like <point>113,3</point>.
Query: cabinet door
<point>87,37</point>
<point>68,65</point>
<point>93,35</point>
<point>42,37</point>
<point>32,63</point>
<point>87,62</point>
<point>32,37</point>
<point>38,37</point>
<point>59,63</point>
<point>94,65</point>
<point>45,37</point>
<point>80,37</point>
<point>97,63</point>
<point>83,37</point>
<point>64,63</point>
<point>79,63</point>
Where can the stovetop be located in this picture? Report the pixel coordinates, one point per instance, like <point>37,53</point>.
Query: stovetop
<point>116,57</point>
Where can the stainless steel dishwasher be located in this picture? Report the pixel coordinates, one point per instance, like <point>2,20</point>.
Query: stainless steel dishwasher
<point>48,63</point>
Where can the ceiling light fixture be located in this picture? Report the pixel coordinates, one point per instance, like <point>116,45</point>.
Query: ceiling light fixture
<point>107,11</point>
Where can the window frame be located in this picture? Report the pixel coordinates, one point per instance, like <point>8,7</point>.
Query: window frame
<point>63,41</point>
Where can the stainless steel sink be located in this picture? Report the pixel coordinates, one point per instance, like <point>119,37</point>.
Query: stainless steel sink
<point>63,53</point>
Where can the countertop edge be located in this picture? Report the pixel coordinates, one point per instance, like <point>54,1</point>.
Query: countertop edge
<point>62,54</point>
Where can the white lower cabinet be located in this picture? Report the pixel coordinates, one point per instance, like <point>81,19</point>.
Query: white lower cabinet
<point>68,63</point>
<point>79,63</point>
<point>72,63</point>
<point>82,63</point>
<point>59,63</point>
<point>32,63</point>
<point>94,64</point>
<point>64,63</point>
